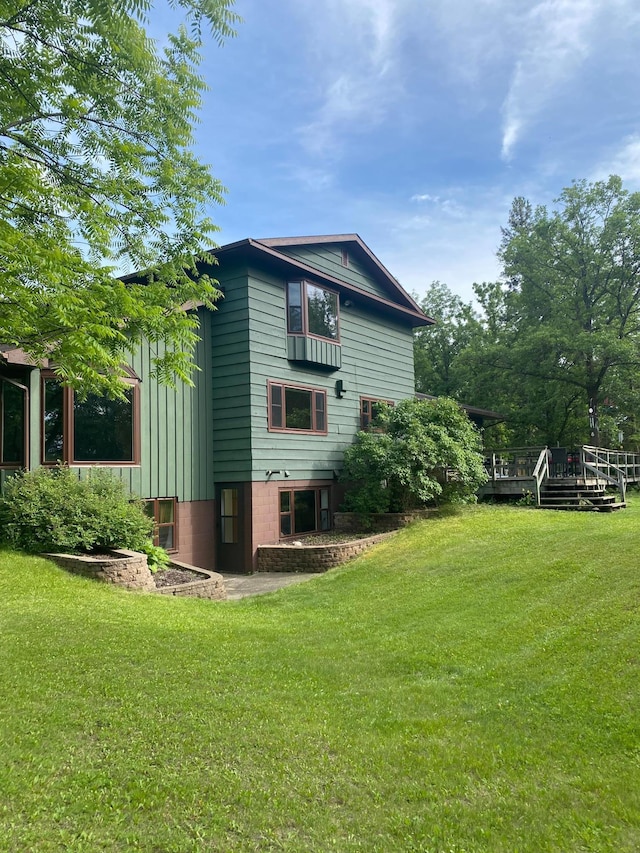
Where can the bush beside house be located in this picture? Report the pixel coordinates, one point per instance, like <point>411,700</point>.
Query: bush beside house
<point>418,453</point>
<point>52,509</point>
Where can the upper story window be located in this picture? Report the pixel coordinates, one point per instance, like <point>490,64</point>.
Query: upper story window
<point>312,310</point>
<point>293,408</point>
<point>95,430</point>
<point>13,423</point>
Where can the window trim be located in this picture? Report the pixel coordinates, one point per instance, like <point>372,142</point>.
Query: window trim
<point>303,282</point>
<point>291,512</point>
<point>157,525</point>
<point>15,466</point>
<point>316,395</point>
<point>372,401</point>
<point>68,426</point>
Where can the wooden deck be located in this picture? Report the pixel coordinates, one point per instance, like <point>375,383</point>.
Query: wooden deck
<point>584,478</point>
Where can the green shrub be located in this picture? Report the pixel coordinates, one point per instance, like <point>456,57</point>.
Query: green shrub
<point>423,452</point>
<point>56,510</point>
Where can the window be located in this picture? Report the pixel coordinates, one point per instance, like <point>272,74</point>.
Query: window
<point>368,412</point>
<point>164,512</point>
<point>95,430</point>
<point>312,310</point>
<point>297,409</point>
<point>13,423</point>
<point>229,516</point>
<point>304,511</point>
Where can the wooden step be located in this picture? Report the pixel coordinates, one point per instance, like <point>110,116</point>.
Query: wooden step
<point>592,507</point>
<point>572,507</point>
<point>578,498</point>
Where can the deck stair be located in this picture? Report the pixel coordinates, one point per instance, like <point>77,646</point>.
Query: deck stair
<point>585,478</point>
<point>578,494</point>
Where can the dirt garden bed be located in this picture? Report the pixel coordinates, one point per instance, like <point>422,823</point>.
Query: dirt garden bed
<point>184,580</point>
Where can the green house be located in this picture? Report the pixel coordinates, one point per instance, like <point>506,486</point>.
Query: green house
<point>309,334</point>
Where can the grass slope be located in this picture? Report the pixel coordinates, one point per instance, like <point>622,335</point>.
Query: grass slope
<point>470,685</point>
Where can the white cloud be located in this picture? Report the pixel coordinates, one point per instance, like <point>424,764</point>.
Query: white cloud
<point>354,57</point>
<point>448,206</point>
<point>558,38</point>
<point>624,161</point>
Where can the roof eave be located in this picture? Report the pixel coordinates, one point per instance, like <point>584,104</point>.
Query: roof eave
<point>276,242</point>
<point>413,311</point>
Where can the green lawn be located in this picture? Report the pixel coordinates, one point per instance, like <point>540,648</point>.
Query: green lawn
<point>469,685</point>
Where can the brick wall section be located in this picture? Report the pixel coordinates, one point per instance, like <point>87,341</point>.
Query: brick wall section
<point>196,533</point>
<point>211,586</point>
<point>126,568</point>
<point>266,517</point>
<point>354,522</point>
<point>313,558</point>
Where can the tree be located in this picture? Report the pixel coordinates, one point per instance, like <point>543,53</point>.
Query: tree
<point>416,453</point>
<point>437,348</point>
<point>97,177</point>
<point>573,295</point>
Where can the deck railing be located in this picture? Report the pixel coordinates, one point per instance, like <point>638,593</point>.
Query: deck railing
<point>621,460</point>
<point>612,466</point>
<point>541,472</point>
<point>513,464</point>
<point>534,465</point>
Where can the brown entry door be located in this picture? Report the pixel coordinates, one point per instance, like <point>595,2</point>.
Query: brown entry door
<point>231,528</point>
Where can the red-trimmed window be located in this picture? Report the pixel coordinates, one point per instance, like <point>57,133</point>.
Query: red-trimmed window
<point>164,512</point>
<point>312,310</point>
<point>93,431</point>
<point>304,511</point>
<point>368,407</point>
<point>296,408</point>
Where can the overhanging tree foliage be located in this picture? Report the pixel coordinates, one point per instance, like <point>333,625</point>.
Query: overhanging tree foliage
<point>416,453</point>
<point>97,175</point>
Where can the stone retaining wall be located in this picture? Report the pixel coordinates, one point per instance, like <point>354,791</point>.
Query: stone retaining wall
<point>313,558</point>
<point>211,585</point>
<point>355,522</point>
<point>130,570</point>
<point>125,568</point>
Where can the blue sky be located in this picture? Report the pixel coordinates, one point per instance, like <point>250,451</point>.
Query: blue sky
<point>414,123</point>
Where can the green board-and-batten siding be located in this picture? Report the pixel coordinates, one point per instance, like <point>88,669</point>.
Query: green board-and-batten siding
<point>176,429</point>
<point>314,351</point>
<point>176,458</point>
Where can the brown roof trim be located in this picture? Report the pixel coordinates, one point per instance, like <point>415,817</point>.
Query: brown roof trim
<point>415,313</point>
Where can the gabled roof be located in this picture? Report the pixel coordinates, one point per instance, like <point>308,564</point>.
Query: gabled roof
<point>398,302</point>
